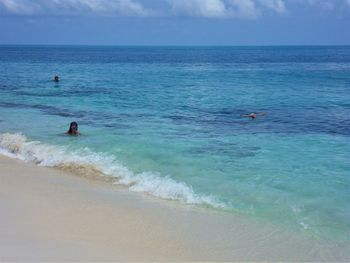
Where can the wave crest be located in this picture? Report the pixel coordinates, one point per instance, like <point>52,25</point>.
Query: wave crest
<point>90,164</point>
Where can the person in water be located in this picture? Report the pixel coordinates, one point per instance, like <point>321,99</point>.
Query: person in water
<point>56,78</point>
<point>73,129</point>
<point>253,115</point>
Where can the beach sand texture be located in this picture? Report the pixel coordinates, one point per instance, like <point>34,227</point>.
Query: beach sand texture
<point>49,214</point>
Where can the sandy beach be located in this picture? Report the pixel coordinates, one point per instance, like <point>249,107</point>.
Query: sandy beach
<point>49,214</point>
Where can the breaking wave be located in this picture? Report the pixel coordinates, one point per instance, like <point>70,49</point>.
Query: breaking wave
<point>90,164</point>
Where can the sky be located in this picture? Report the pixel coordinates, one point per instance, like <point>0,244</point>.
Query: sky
<point>175,22</point>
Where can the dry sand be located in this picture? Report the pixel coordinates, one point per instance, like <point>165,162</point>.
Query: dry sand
<point>50,215</point>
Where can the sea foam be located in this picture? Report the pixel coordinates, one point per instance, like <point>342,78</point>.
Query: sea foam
<point>88,163</point>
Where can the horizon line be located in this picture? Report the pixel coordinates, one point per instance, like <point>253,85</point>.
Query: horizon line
<point>182,45</point>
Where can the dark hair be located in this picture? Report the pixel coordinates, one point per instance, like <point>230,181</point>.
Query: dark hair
<point>71,126</point>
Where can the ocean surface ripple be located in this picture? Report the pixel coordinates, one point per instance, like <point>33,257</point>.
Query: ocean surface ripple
<point>166,121</point>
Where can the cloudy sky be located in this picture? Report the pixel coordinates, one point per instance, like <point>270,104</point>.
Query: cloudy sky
<point>175,22</point>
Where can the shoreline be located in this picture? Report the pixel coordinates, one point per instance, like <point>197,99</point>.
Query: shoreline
<point>49,214</point>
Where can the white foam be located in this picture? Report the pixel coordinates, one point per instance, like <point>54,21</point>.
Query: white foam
<point>17,146</point>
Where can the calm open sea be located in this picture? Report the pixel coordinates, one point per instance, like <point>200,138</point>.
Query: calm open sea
<point>166,121</point>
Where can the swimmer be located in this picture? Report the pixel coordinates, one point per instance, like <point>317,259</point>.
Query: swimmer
<point>56,78</point>
<point>253,115</point>
<point>73,129</point>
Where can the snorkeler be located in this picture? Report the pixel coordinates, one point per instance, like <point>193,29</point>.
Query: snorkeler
<point>253,115</point>
<point>73,129</point>
<point>56,78</point>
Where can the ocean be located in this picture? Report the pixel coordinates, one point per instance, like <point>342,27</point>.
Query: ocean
<point>166,121</point>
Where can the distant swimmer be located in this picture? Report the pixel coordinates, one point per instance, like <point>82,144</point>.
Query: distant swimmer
<point>253,115</point>
<point>73,129</point>
<point>56,78</point>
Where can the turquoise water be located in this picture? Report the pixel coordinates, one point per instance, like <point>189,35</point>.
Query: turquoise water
<point>166,121</point>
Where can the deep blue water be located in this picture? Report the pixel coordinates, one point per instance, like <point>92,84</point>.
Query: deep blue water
<point>166,121</point>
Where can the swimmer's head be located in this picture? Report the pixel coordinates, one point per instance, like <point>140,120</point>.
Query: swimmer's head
<point>73,128</point>
<point>252,115</point>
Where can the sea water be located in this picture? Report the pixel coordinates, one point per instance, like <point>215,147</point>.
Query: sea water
<point>166,121</point>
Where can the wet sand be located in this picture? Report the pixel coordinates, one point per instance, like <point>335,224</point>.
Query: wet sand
<point>48,214</point>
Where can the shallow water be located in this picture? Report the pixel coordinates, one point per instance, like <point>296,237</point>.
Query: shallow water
<point>166,121</point>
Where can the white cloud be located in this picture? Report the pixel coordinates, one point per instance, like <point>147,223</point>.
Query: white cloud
<point>276,5</point>
<point>336,8</point>
<point>203,8</point>
<point>243,9</point>
<point>117,7</point>
<point>19,7</point>
<point>322,4</point>
<point>246,9</point>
